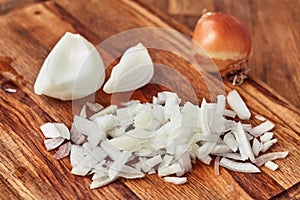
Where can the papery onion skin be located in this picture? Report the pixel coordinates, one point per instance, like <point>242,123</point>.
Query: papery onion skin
<point>227,42</point>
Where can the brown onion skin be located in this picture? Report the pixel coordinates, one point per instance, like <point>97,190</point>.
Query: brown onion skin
<point>224,34</point>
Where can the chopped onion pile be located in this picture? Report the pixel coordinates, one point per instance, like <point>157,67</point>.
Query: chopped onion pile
<point>162,137</point>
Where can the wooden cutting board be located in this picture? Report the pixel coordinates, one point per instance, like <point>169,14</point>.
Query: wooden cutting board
<point>28,171</point>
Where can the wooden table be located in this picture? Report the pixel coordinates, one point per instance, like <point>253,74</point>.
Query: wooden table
<point>27,34</point>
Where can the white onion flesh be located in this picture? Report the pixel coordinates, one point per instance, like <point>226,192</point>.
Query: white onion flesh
<point>55,130</point>
<point>150,163</point>
<point>163,138</point>
<point>260,118</point>
<point>108,110</point>
<point>95,107</point>
<point>243,143</point>
<point>268,144</point>
<point>63,151</point>
<point>83,112</point>
<point>271,165</point>
<point>256,147</point>
<point>238,105</point>
<point>172,169</point>
<point>10,90</point>
<point>231,142</point>
<point>239,166</point>
<point>130,172</point>
<point>269,157</point>
<point>262,128</point>
<point>53,143</point>
<point>73,69</point>
<point>230,113</point>
<point>176,180</point>
<point>118,165</point>
<point>234,156</point>
<point>217,165</point>
<point>267,136</point>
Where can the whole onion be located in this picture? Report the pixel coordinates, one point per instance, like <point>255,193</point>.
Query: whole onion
<point>227,42</point>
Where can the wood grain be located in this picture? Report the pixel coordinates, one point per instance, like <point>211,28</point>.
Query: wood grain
<point>28,171</point>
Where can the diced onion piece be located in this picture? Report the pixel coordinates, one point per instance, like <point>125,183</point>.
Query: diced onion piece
<point>243,142</point>
<point>130,103</point>
<point>249,137</point>
<point>100,173</point>
<point>172,169</point>
<point>216,165</point>
<point>159,114</point>
<point>90,129</point>
<point>165,161</point>
<point>82,170</point>
<point>230,142</point>
<point>185,162</point>
<point>262,128</point>
<point>256,147</point>
<point>126,142</point>
<point>117,165</point>
<point>63,151</point>
<point>95,107</point>
<point>98,154</point>
<point>145,120</point>
<point>205,149</point>
<point>269,157</point>
<point>271,165</point>
<point>221,148</point>
<point>238,166</point>
<point>99,183</point>
<point>83,112</point>
<point>106,122</point>
<point>150,163</point>
<point>206,138</point>
<point>130,172</point>
<point>108,110</point>
<point>176,180</point>
<point>228,125</point>
<point>55,130</point>
<point>76,155</point>
<point>267,136</point>
<point>267,145</point>
<point>230,113</point>
<point>76,136</point>
<point>110,149</point>
<point>260,118</point>
<point>152,171</point>
<point>53,143</point>
<point>206,160</point>
<point>238,105</point>
<point>204,118</point>
<point>247,127</point>
<point>221,99</point>
<point>10,90</point>
<point>234,156</point>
